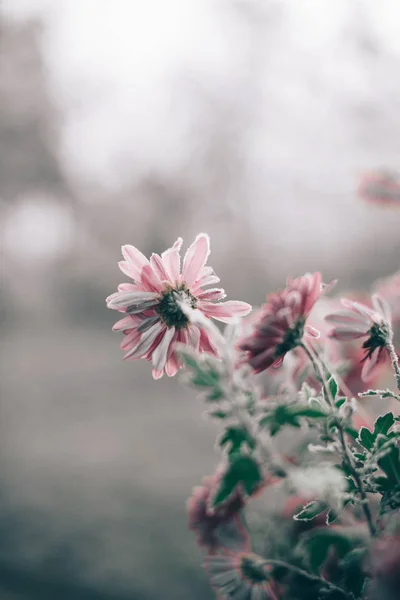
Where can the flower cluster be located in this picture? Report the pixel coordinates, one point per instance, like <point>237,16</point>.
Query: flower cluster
<point>334,532</point>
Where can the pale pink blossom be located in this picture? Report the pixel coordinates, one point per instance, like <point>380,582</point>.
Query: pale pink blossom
<point>154,320</point>
<point>359,321</point>
<point>240,576</point>
<point>282,322</point>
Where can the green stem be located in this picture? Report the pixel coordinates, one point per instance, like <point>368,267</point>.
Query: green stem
<point>346,454</point>
<point>306,575</point>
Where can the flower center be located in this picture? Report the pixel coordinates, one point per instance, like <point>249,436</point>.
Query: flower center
<point>252,568</point>
<point>292,338</point>
<point>168,308</point>
<point>379,334</point>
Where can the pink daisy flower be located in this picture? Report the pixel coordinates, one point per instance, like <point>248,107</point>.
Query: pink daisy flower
<point>240,576</point>
<point>154,320</point>
<point>217,528</point>
<point>360,321</point>
<point>380,187</point>
<point>282,322</point>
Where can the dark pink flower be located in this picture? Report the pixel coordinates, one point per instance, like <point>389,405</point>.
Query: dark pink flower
<point>240,576</point>
<point>380,187</point>
<point>217,528</point>
<point>360,321</point>
<point>152,303</point>
<point>282,322</point>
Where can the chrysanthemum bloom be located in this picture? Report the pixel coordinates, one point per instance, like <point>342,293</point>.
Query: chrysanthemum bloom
<point>282,322</point>
<point>360,321</point>
<point>152,302</point>
<point>380,187</point>
<point>240,576</point>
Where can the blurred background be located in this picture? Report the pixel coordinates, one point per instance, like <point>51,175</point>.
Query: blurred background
<point>134,122</point>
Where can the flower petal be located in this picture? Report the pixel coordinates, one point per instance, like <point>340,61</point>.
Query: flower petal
<point>369,366</point>
<point>125,323</point>
<point>133,256</point>
<point>150,280</point>
<point>382,307</point>
<point>159,357</point>
<point>212,295</point>
<point>158,267</point>
<point>171,261</point>
<point>195,258</point>
<point>345,334</point>
<point>120,300</point>
<point>147,323</point>
<point>145,342</point>
<point>225,311</point>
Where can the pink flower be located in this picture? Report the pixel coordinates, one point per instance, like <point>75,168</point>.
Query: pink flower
<point>216,528</point>
<point>282,322</point>
<point>360,321</point>
<point>380,187</point>
<point>240,576</point>
<point>154,320</point>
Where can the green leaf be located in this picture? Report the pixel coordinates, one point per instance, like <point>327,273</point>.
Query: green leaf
<point>243,471</point>
<point>289,415</point>
<point>311,510</point>
<point>333,386</point>
<point>390,465</point>
<point>204,373</point>
<point>366,438</point>
<point>383,424</point>
<point>234,437</point>
<point>219,414</point>
<point>340,401</point>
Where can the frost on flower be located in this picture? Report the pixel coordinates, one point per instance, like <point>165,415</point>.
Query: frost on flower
<point>282,322</point>
<point>240,576</point>
<point>154,319</point>
<point>360,321</point>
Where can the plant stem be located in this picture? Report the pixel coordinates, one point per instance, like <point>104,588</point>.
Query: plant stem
<point>306,575</point>
<point>319,373</point>
<point>395,362</point>
<point>348,459</point>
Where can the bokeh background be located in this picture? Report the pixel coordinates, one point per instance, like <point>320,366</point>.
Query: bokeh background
<point>124,121</point>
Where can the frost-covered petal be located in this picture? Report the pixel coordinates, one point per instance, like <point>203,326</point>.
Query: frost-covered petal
<point>171,261</point>
<point>120,300</point>
<point>212,295</point>
<point>151,281</point>
<point>158,267</point>
<point>160,353</point>
<point>146,341</point>
<point>134,256</point>
<point>225,311</point>
<point>369,366</point>
<point>195,258</point>
<point>127,287</point>
<point>125,323</point>
<point>382,307</point>
<point>147,323</point>
<point>203,281</point>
